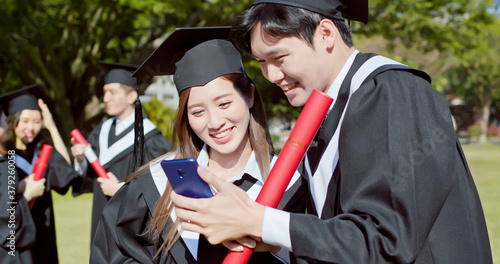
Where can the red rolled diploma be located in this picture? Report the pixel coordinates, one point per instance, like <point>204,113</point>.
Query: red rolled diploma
<point>89,154</point>
<point>40,166</point>
<point>293,151</point>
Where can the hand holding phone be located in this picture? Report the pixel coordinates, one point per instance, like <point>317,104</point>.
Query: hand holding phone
<point>183,176</point>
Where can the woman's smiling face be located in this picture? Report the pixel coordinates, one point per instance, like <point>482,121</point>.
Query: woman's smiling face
<point>29,125</point>
<point>219,115</point>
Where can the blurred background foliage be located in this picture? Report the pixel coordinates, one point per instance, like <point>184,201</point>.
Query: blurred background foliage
<point>58,44</point>
<point>162,116</point>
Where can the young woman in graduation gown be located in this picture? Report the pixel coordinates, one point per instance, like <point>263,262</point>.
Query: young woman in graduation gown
<point>17,229</point>
<point>25,137</point>
<point>221,121</point>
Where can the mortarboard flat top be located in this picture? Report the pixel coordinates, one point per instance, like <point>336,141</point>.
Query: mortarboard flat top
<point>21,99</point>
<point>120,73</point>
<point>194,56</point>
<point>333,9</point>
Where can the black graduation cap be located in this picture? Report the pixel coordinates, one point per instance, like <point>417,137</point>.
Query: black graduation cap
<point>195,56</point>
<point>21,99</point>
<point>333,9</point>
<point>120,73</point>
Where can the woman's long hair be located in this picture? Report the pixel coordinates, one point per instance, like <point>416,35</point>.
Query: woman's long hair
<point>12,122</point>
<point>187,144</point>
<point>2,149</point>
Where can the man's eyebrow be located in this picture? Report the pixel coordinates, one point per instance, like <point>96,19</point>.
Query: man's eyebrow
<point>270,53</point>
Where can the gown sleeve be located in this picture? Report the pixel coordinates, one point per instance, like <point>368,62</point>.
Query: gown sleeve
<point>59,174</point>
<point>121,233</point>
<point>396,146</point>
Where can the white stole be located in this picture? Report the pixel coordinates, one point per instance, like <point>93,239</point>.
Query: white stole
<point>107,153</point>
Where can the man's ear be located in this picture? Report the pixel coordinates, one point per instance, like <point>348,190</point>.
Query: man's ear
<point>328,33</point>
<point>132,96</point>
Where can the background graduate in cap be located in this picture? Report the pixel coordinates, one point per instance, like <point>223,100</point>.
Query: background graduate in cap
<point>221,122</point>
<point>33,98</point>
<point>17,247</point>
<point>121,143</point>
<point>388,182</point>
<point>25,137</point>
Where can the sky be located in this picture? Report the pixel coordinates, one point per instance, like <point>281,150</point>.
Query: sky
<point>495,7</point>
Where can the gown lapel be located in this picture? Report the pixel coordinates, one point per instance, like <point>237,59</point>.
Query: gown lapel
<point>319,166</point>
<point>330,124</point>
<point>25,165</point>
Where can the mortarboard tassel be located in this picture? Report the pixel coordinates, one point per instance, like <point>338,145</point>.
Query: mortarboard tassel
<point>139,135</point>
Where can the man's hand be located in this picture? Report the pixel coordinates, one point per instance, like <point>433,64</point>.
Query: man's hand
<point>109,186</point>
<point>229,215</point>
<point>77,150</point>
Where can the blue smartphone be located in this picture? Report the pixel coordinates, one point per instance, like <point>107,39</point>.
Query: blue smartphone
<point>183,177</point>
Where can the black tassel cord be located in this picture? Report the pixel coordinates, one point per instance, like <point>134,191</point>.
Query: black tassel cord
<point>139,136</point>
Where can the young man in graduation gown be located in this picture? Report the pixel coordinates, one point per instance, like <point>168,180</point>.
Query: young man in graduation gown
<point>388,181</point>
<point>114,140</point>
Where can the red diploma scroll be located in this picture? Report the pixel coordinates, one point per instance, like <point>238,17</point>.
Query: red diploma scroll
<point>40,166</point>
<point>89,154</point>
<point>288,160</point>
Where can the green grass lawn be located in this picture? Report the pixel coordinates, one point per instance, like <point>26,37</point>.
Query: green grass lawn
<point>484,163</point>
<point>73,217</point>
<point>73,214</point>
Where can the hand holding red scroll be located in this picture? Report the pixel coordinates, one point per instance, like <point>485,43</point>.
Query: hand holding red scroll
<point>40,166</point>
<point>89,154</point>
<point>288,160</point>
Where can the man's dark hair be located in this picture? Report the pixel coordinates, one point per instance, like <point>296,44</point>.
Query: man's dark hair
<point>281,21</point>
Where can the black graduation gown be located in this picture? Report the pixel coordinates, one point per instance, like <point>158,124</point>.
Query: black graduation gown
<point>121,164</point>
<point>59,177</point>
<point>121,235</point>
<point>402,191</point>
<point>17,229</point>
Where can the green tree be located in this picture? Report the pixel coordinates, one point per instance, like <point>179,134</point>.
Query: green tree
<point>476,77</point>
<point>426,25</point>
<point>453,41</point>
<point>162,116</point>
<point>58,44</point>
